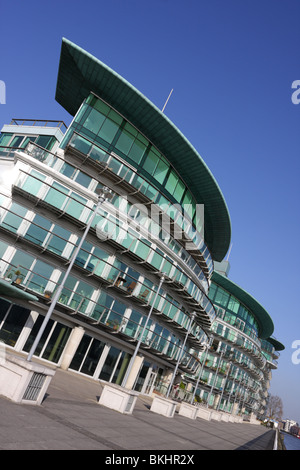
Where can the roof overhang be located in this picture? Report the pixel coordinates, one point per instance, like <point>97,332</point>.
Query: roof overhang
<point>265,323</point>
<point>80,73</point>
<point>277,345</point>
<point>13,293</point>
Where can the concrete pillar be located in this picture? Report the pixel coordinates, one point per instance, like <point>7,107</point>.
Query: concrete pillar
<point>167,378</point>
<point>235,408</point>
<point>71,347</point>
<point>216,401</point>
<point>134,372</point>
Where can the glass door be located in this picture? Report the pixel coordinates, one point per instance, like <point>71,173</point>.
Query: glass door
<point>150,385</point>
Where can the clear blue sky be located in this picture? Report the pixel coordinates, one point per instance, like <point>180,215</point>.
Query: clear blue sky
<point>231,64</point>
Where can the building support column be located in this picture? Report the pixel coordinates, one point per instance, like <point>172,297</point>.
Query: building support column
<point>136,367</point>
<point>71,347</point>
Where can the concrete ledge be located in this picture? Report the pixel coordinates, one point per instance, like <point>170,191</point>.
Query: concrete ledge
<point>216,415</point>
<point>163,406</point>
<point>204,413</point>
<point>225,417</point>
<point>235,419</point>
<point>22,381</point>
<point>118,398</point>
<point>188,410</point>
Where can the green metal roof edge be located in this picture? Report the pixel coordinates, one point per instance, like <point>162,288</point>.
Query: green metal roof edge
<point>265,323</point>
<point>277,344</point>
<point>11,293</point>
<point>80,73</point>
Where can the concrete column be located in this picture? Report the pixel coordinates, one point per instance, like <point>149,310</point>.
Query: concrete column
<point>134,372</point>
<point>71,347</point>
<point>167,377</point>
<point>216,401</point>
<point>235,408</point>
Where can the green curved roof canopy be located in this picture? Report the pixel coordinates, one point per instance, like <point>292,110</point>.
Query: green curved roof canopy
<point>265,323</point>
<point>12,293</point>
<point>277,345</point>
<point>80,73</point>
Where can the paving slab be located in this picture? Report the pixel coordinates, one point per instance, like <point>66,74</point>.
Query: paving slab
<point>70,418</point>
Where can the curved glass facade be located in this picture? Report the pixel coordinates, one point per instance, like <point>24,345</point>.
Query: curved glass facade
<point>104,126</point>
<point>151,229</point>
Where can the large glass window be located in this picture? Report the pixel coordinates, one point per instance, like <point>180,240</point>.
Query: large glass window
<point>109,364</point>
<point>56,196</point>
<point>40,276</point>
<point>94,121</point>
<point>4,139</point>
<point>87,355</point>
<point>142,376</point>
<point>52,342</point>
<point>46,141</point>
<point>3,248</point>
<point>38,230</point>
<point>13,322</point>
<point>22,261</point>
<point>14,218</point>
<point>121,368</point>
<point>58,239</point>
<point>76,205</point>
<point>33,182</point>
<point>56,343</point>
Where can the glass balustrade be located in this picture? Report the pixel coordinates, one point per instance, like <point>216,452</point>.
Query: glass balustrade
<point>107,311</point>
<point>69,202</point>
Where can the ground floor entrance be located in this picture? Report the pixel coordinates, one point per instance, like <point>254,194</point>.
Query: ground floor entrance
<point>93,356</point>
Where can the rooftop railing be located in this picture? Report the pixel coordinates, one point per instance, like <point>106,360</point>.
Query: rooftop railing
<point>40,123</point>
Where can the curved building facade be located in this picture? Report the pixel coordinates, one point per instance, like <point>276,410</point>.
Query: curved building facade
<point>237,364</point>
<point>153,245</point>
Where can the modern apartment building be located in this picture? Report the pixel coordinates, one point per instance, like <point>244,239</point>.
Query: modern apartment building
<point>157,244</point>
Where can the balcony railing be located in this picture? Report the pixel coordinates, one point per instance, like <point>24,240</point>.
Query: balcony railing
<point>98,314</point>
<point>185,287</point>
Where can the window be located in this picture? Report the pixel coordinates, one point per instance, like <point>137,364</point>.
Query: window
<point>56,343</point>
<point>121,368</point>
<point>16,141</point>
<point>13,323</point>
<point>52,342</point>
<point>67,170</point>
<point>76,205</point>
<point>56,196</point>
<point>40,276</point>
<point>38,230</point>
<point>46,141</point>
<point>94,121</point>
<point>233,305</point>
<point>4,139</point>
<point>58,240</point>
<point>3,247</point>
<point>109,364</point>
<point>22,261</point>
<point>171,182</point>
<point>87,355</point>
<point>33,182</point>
<point>83,179</point>
<point>137,150</point>
<point>125,141</point>
<point>13,219</point>
<point>156,166</point>
<point>222,298</point>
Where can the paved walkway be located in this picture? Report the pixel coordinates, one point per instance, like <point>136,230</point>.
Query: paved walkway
<point>71,419</point>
